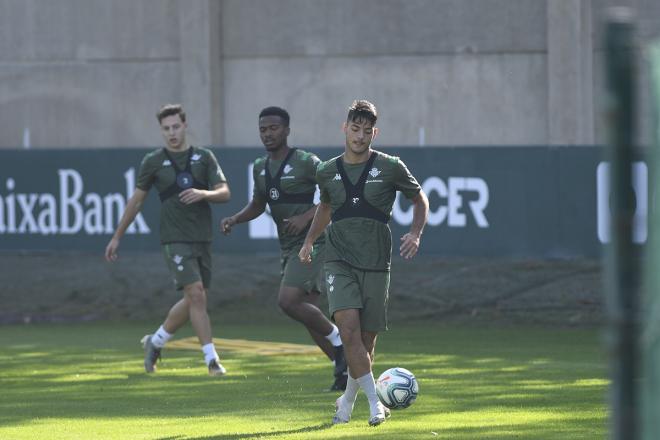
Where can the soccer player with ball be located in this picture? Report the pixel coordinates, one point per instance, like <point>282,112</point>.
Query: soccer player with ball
<point>358,189</point>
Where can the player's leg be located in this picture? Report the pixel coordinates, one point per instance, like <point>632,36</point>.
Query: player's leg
<point>177,316</point>
<point>331,340</point>
<point>373,319</point>
<point>345,303</point>
<point>190,266</point>
<point>196,297</point>
<point>359,346</point>
<point>378,411</point>
<point>357,358</point>
<point>154,343</point>
<point>175,256</point>
<point>295,303</point>
<point>321,338</point>
<point>199,317</point>
<point>359,327</point>
<point>298,298</point>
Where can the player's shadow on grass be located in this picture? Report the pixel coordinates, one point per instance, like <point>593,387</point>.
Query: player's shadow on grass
<point>249,435</point>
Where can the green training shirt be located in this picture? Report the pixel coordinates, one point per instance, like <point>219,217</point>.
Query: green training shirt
<point>298,177</point>
<point>180,222</point>
<point>364,243</point>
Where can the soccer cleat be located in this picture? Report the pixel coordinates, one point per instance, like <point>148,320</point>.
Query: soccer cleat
<point>377,419</point>
<point>339,383</point>
<point>341,370</point>
<point>151,354</point>
<point>216,368</point>
<point>340,361</point>
<point>382,414</point>
<point>342,414</point>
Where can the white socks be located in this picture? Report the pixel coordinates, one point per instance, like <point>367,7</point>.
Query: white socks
<point>333,337</point>
<point>346,401</point>
<point>352,388</point>
<point>209,353</point>
<point>160,337</point>
<point>368,384</point>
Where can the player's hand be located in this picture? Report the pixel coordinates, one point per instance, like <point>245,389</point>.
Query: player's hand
<point>295,225</point>
<point>305,253</point>
<point>192,195</point>
<point>409,245</point>
<point>111,250</point>
<point>226,224</point>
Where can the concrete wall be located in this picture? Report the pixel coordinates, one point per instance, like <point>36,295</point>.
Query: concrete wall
<point>648,18</point>
<point>85,73</point>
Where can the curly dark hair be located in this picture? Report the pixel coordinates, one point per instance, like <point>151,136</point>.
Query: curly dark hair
<point>276,111</point>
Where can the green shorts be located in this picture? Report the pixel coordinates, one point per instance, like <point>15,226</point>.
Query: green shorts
<point>308,277</point>
<point>351,288</point>
<point>188,263</point>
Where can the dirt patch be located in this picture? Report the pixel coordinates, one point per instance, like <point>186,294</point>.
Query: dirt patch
<point>74,287</point>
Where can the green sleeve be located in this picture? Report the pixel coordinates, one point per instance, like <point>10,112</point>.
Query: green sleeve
<point>147,174</point>
<point>312,164</point>
<point>257,194</point>
<point>404,181</point>
<point>321,182</point>
<point>214,172</point>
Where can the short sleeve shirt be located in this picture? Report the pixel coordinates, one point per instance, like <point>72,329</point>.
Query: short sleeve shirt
<point>298,177</point>
<point>180,222</point>
<point>364,243</point>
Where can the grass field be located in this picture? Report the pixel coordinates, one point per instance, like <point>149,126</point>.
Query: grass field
<point>85,381</point>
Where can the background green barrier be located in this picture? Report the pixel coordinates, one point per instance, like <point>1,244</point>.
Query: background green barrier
<point>484,201</point>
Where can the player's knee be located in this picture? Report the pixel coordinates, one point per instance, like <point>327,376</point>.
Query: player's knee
<point>369,341</point>
<point>196,294</point>
<point>350,335</point>
<point>288,300</point>
<point>285,304</point>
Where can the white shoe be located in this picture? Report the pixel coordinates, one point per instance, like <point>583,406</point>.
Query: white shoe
<point>380,415</point>
<point>216,368</point>
<point>386,410</point>
<point>342,411</point>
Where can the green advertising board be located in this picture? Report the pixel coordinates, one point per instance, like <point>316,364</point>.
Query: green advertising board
<point>484,201</point>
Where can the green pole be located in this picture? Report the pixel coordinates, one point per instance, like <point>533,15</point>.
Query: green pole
<point>650,309</point>
<point>622,260</point>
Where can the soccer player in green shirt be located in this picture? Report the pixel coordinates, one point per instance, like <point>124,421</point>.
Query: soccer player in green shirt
<point>358,190</point>
<point>187,179</point>
<point>284,179</point>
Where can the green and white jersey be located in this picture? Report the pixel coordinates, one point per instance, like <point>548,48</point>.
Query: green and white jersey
<point>298,177</point>
<point>180,222</point>
<point>363,242</point>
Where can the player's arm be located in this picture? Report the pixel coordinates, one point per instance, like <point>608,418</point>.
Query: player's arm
<point>320,222</point>
<point>133,207</point>
<point>220,193</point>
<point>297,223</point>
<point>410,241</point>
<point>252,210</point>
